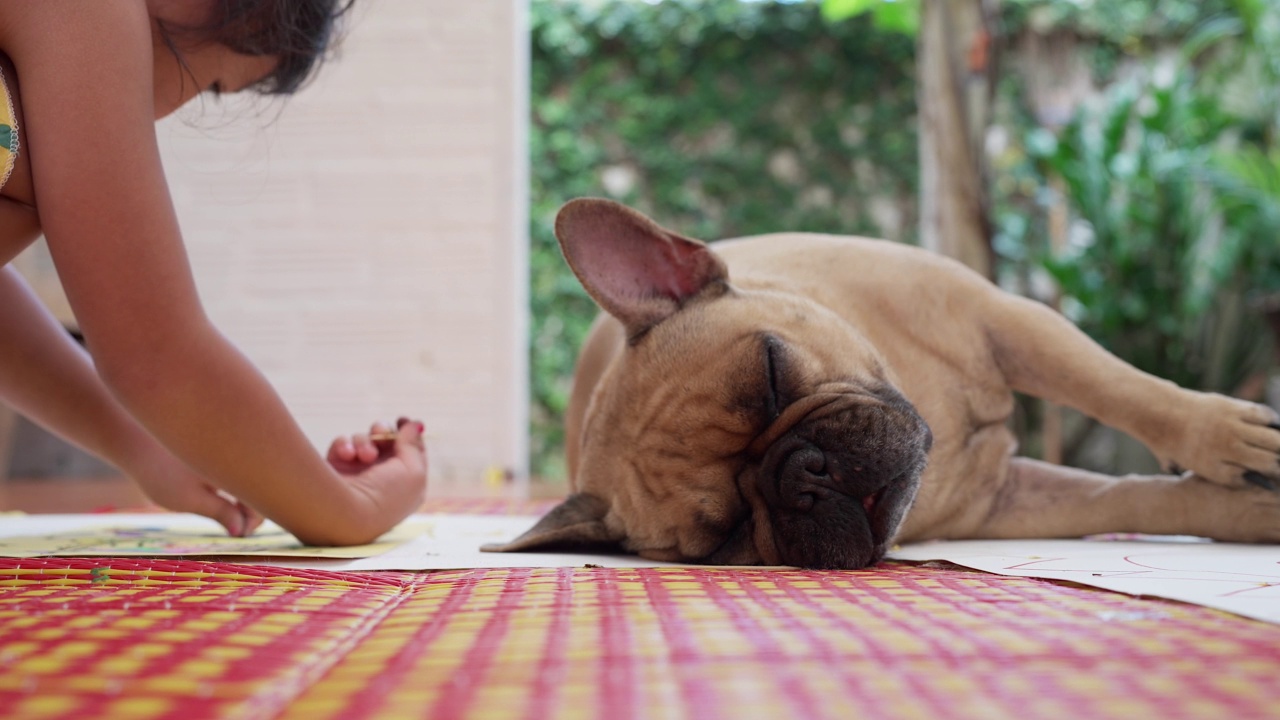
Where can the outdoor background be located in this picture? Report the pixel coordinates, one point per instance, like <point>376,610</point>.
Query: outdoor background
<point>381,243</point>
<point>1132,163</point>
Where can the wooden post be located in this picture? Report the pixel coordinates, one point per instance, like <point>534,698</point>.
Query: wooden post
<point>956,72</point>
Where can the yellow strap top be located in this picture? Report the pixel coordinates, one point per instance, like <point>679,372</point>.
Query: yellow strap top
<point>8,134</point>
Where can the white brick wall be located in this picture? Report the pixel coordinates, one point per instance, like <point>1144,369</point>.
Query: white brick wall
<point>365,242</point>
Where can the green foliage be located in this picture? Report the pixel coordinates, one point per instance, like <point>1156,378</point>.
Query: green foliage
<point>1159,274</point>
<point>901,16</point>
<point>719,119</point>
<point>1133,26</point>
<point>1243,70</point>
<point>1242,67</point>
<point>1112,31</point>
<point>1247,181</point>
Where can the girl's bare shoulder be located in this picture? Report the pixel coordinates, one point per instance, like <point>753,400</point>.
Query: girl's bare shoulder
<point>27,27</point>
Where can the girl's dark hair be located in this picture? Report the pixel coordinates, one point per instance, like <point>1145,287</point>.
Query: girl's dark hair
<point>298,32</point>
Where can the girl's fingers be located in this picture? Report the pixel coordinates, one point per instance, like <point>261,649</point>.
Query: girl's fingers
<point>409,438</point>
<point>368,448</point>
<point>252,518</point>
<point>366,451</point>
<point>249,519</point>
<point>342,449</point>
<point>220,506</point>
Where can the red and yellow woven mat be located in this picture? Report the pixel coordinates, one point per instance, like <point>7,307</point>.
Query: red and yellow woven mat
<point>122,638</point>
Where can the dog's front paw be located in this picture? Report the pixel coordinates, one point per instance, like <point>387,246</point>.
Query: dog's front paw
<point>1230,442</point>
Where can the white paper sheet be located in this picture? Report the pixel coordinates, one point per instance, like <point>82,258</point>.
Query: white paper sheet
<point>1242,579</point>
<point>453,542</point>
<point>440,542</point>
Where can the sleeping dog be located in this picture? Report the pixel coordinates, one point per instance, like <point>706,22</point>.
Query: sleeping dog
<point>810,400</point>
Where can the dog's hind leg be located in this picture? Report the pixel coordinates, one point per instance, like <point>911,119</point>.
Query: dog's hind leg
<point>1224,440</point>
<point>1039,499</point>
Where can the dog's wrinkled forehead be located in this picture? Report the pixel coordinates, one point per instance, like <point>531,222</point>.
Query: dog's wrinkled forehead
<point>709,379</point>
<point>715,356</point>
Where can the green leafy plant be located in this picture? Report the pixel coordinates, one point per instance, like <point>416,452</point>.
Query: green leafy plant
<point>1146,275</point>
<point>1153,273</point>
<point>902,16</point>
<point>1247,181</point>
<point>1241,55</point>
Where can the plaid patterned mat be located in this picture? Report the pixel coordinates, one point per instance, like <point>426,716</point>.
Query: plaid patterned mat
<point>125,638</point>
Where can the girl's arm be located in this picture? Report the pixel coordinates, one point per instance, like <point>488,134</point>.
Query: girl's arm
<point>47,377</point>
<point>86,74</point>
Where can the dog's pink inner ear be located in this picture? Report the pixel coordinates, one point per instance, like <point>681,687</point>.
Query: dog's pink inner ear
<point>633,268</point>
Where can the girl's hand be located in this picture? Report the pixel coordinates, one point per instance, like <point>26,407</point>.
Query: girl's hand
<point>386,466</point>
<point>168,482</point>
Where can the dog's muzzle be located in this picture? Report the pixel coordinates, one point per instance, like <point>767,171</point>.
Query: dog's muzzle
<point>838,483</point>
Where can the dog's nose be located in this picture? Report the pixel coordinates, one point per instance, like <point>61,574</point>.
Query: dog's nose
<point>805,478</point>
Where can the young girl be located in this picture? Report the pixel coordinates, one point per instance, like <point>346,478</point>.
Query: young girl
<point>166,398</point>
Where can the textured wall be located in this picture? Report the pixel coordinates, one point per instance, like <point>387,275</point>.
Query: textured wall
<point>365,242</point>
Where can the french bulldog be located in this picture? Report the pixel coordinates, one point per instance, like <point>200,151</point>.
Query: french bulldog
<point>811,400</point>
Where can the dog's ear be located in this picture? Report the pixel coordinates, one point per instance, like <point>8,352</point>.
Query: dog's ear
<point>576,523</point>
<point>633,268</point>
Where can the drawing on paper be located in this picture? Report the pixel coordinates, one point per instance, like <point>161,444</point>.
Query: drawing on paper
<point>1244,579</point>
<point>166,537</point>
